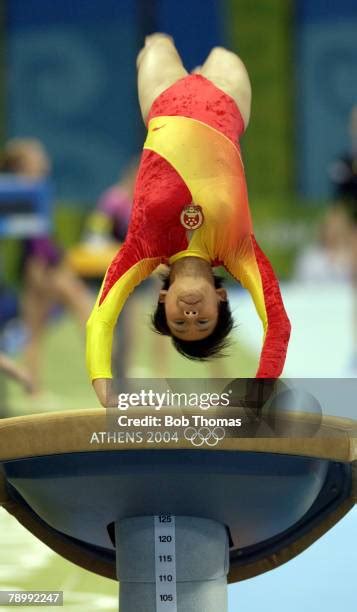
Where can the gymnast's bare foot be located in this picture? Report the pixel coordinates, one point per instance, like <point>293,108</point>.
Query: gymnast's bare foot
<point>157,36</point>
<point>149,42</point>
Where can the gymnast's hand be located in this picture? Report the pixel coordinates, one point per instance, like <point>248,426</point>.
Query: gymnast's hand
<point>104,390</point>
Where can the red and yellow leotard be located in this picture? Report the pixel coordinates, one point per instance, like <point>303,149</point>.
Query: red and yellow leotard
<point>191,155</point>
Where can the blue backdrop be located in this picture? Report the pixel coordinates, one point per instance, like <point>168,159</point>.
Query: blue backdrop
<point>326,87</point>
<point>72,82</point>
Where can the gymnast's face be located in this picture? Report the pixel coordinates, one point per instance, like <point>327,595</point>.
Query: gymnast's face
<point>191,307</point>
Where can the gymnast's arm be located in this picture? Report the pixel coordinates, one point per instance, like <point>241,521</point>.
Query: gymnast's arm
<point>266,295</point>
<point>16,372</point>
<point>120,280</point>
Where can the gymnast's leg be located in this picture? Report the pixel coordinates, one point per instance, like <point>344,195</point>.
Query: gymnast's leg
<point>159,66</point>
<point>227,71</point>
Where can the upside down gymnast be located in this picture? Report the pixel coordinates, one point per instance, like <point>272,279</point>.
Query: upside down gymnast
<point>190,212</point>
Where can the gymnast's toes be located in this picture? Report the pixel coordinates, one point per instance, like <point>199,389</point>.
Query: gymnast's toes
<point>156,37</point>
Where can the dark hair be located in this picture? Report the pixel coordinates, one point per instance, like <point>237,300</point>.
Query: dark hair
<point>200,350</point>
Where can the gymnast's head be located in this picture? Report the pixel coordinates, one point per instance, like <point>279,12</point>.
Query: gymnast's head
<point>193,310</point>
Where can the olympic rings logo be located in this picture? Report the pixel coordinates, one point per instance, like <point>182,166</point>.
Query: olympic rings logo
<point>204,435</point>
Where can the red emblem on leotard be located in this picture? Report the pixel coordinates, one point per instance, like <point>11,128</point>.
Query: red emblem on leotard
<point>192,217</point>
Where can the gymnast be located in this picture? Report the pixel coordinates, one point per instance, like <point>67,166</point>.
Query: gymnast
<point>190,212</point>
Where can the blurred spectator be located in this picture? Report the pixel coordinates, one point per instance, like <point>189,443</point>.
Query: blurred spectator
<point>343,175</point>
<point>46,279</point>
<point>27,157</point>
<point>343,171</point>
<point>330,259</point>
<point>110,219</point>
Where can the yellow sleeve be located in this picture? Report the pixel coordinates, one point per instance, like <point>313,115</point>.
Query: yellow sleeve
<point>243,266</point>
<point>101,323</point>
